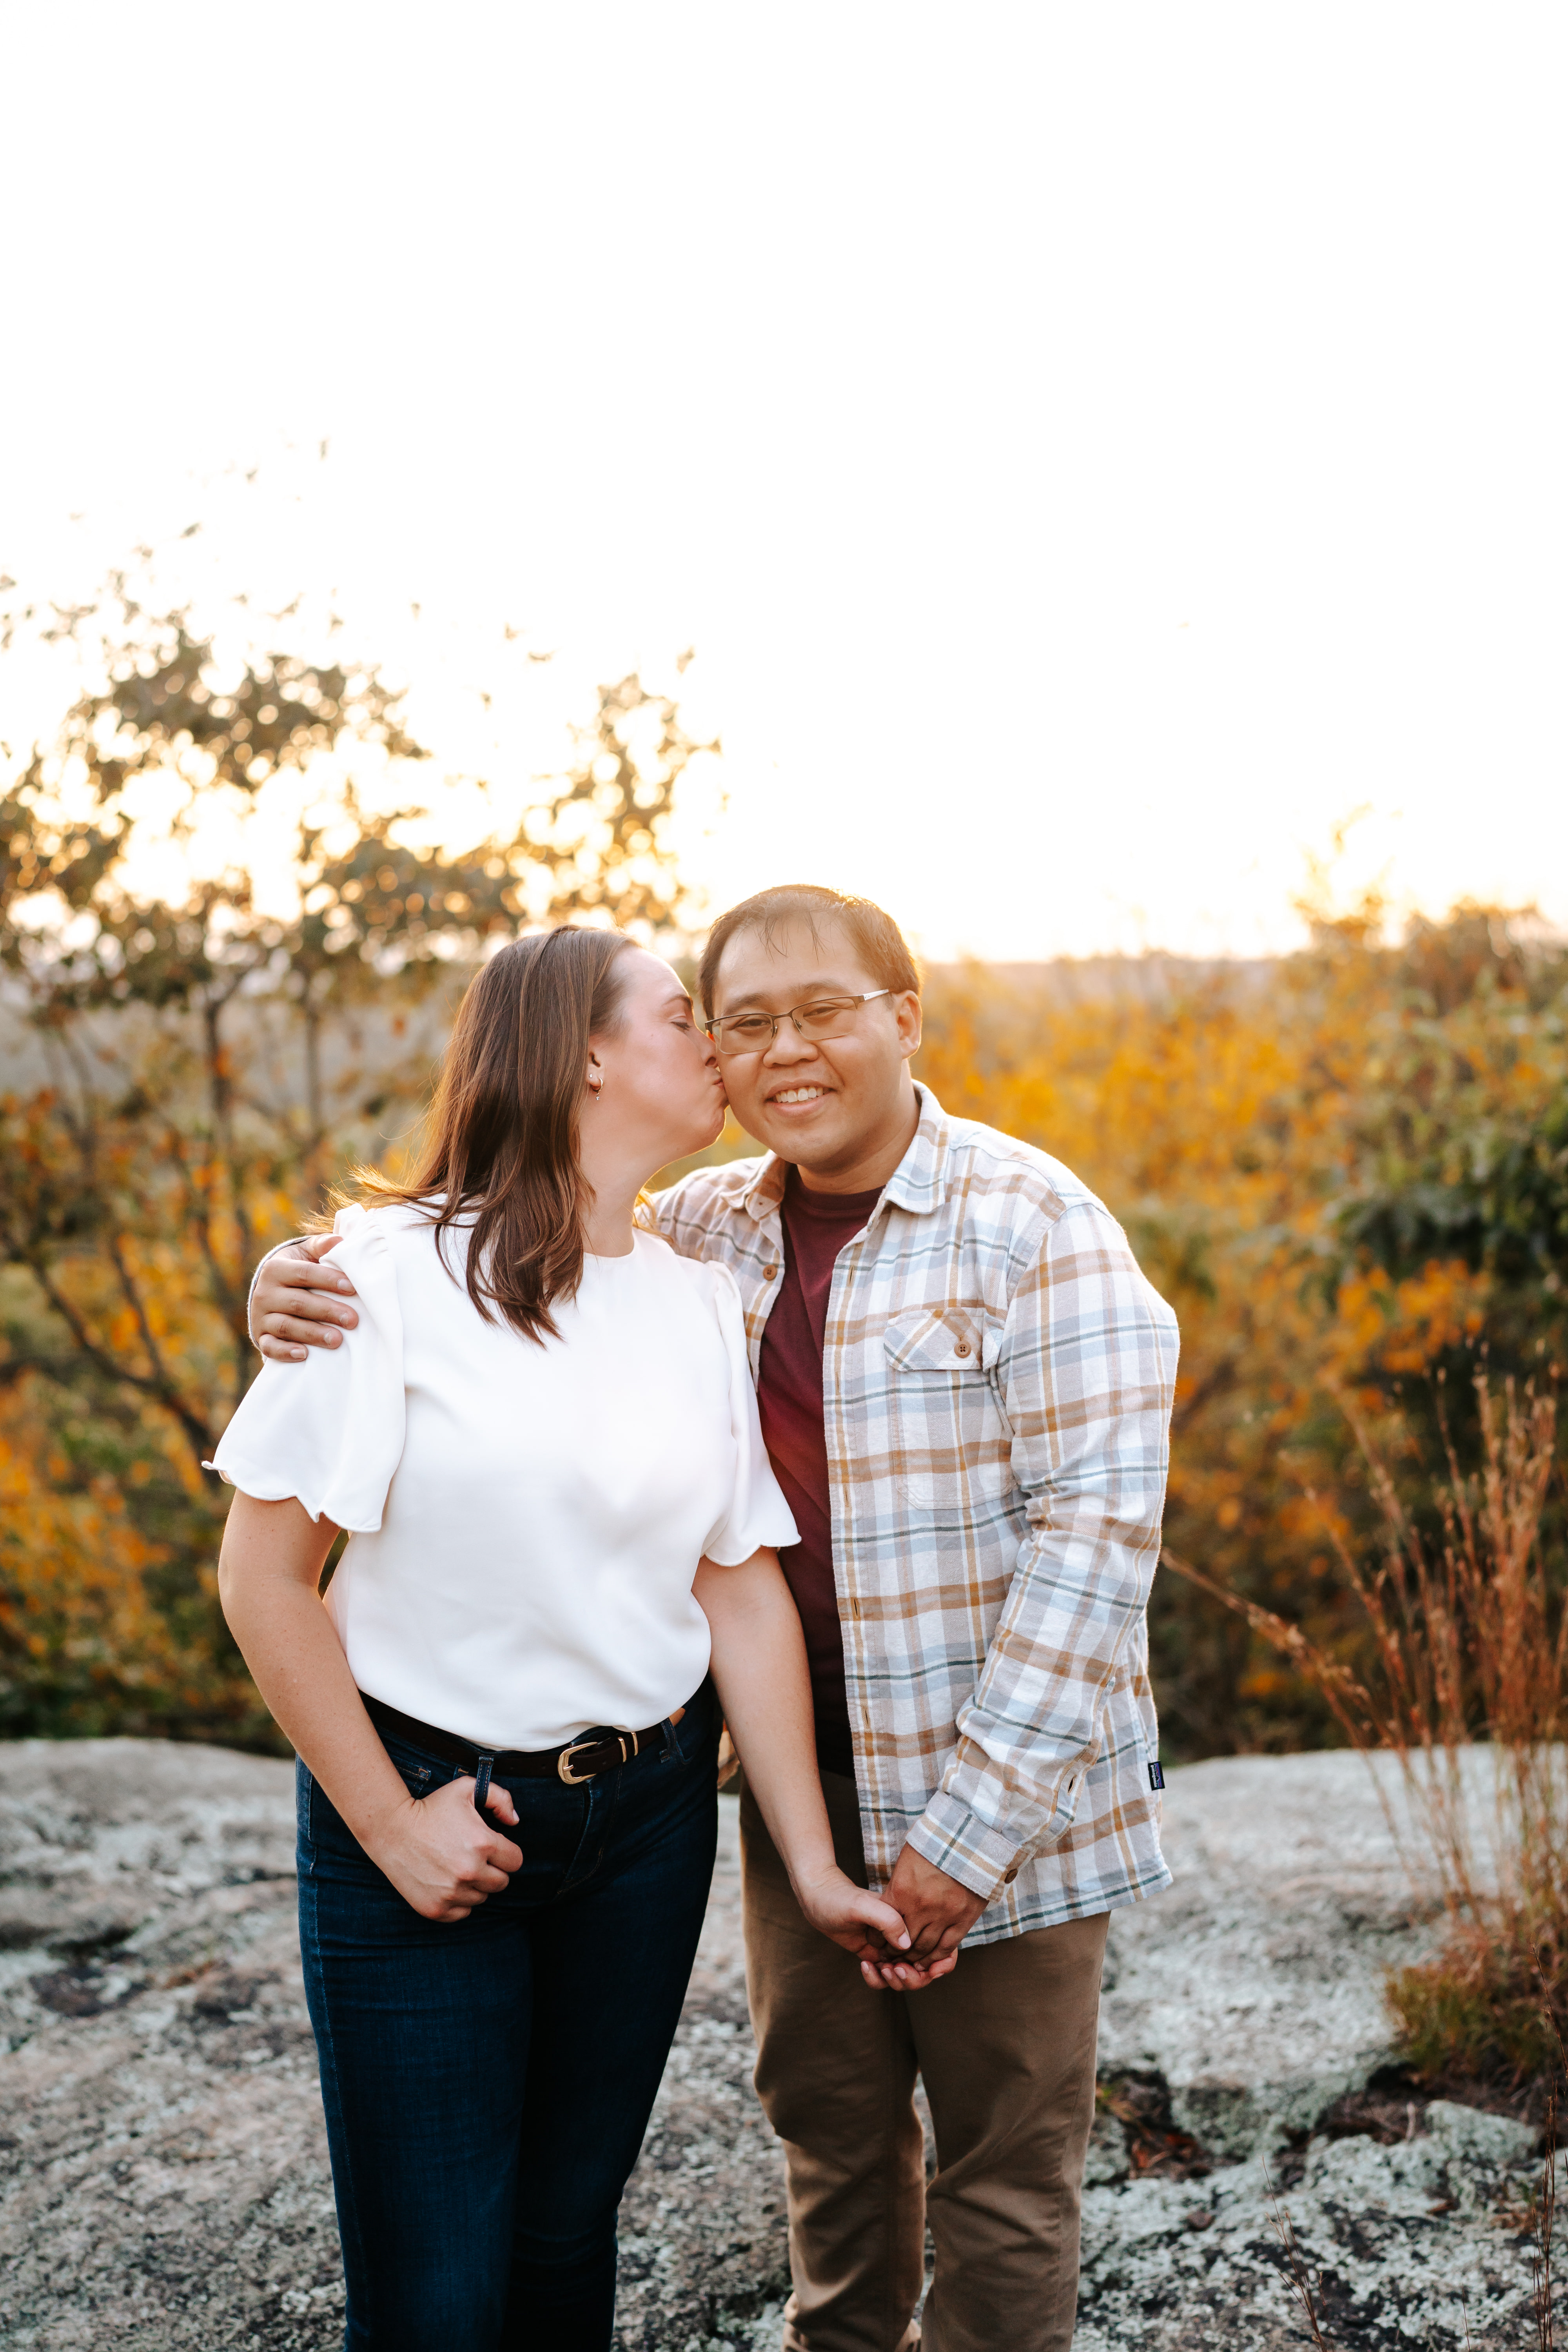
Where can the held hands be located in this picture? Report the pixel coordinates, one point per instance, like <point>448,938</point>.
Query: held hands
<point>907,1941</point>
<point>441,1855</point>
<point>939,1911</point>
<point>861,1923</point>
<point>301,1301</point>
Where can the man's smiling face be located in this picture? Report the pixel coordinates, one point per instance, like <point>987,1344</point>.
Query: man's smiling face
<point>831,1105</point>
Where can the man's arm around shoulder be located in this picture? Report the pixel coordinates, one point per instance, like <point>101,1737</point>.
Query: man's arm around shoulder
<point>298,1301</point>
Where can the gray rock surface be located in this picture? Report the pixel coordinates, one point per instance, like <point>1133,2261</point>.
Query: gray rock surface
<point>1253,1992</point>
<point>1254,1985</point>
<point>163,2164</point>
<point>163,2167</point>
<point>1422,2243</point>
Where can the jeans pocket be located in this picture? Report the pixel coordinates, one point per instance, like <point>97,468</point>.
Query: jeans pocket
<point>415,1775</point>
<point>697,1734</point>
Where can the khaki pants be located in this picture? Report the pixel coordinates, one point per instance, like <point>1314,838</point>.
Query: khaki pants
<point>1005,2047</point>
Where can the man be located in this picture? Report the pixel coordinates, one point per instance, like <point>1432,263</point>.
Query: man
<point>966,1386</point>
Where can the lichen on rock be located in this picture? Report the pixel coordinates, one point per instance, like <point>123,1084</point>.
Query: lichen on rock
<point>163,2181</point>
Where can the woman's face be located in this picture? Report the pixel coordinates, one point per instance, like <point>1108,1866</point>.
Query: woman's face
<point>661,1093</point>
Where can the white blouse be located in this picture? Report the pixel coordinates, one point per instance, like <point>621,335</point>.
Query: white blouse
<point>527,1519</point>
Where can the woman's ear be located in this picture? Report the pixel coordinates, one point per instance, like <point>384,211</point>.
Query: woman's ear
<point>595,1077</point>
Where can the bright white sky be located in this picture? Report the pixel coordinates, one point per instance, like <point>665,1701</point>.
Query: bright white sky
<point>1093,449</point>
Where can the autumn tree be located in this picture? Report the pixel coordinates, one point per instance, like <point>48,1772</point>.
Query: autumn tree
<point>1347,1170</point>
<point>190,1059</point>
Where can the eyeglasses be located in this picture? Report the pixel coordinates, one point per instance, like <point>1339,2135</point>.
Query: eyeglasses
<point>754,1032</point>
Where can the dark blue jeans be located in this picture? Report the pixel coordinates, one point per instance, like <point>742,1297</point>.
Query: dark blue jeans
<point>487,2084</point>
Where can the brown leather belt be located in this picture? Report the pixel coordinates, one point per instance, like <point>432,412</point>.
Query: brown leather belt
<point>579,1759</point>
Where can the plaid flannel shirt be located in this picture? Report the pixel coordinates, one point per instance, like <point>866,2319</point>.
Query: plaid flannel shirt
<point>997,1380</point>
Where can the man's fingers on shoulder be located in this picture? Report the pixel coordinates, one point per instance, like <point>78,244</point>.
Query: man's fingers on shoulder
<point>295,1331</point>
<point>302,1274</point>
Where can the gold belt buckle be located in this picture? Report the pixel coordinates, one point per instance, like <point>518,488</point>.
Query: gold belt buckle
<point>576,1780</point>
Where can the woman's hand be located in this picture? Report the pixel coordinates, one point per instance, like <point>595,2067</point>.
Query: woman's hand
<point>441,1855</point>
<point>861,1923</point>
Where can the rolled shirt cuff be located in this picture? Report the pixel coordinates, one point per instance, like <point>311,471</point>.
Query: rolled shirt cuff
<point>954,1839</point>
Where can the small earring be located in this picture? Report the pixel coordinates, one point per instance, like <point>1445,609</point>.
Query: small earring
<point>595,1090</point>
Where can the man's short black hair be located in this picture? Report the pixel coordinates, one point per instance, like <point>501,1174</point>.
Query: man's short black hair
<point>880,945</point>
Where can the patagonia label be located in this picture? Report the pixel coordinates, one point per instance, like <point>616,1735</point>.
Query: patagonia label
<point>1156,1775</point>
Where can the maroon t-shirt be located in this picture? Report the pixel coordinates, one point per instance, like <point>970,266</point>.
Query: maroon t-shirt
<point>789,1397</point>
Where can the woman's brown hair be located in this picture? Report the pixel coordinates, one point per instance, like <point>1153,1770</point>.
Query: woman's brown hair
<point>500,1138</point>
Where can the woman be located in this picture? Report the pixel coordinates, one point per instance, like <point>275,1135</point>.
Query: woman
<point>543,1440</point>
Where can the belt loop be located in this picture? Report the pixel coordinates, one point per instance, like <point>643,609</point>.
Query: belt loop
<point>483,1780</point>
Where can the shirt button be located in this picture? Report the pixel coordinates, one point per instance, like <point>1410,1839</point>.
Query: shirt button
<point>769,1272</point>
<point>1009,1875</point>
<point>962,1349</point>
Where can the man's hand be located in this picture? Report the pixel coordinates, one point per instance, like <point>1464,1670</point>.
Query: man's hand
<point>938,1912</point>
<point>300,1303</point>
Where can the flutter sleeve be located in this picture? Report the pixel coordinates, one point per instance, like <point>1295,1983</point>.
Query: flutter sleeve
<point>330,1430</point>
<point>757,1513</point>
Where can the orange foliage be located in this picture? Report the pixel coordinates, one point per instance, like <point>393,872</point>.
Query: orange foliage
<point>74,1600</point>
<point>1228,1119</point>
<point>1293,1149</point>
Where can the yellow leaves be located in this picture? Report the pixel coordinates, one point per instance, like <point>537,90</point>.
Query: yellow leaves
<point>1265,1682</point>
<point>72,1566</point>
<point>1311,1518</point>
<point>1190,1101</point>
<point>269,1213</point>
<point>1405,1326</point>
<point>1230,1123</point>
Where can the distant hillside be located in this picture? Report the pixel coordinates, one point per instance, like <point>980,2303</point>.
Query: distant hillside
<point>1081,979</point>
<point>373,1045</point>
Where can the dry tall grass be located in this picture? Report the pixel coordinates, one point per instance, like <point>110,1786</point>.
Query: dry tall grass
<point>1469,1690</point>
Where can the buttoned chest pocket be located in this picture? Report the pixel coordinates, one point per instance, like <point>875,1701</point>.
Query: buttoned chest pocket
<point>948,1435</point>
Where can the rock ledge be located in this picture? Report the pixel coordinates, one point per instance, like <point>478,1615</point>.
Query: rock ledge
<point>163,2167</point>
